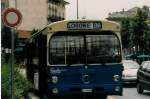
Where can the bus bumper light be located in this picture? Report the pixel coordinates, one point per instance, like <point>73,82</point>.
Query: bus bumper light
<point>117,88</point>
<point>54,90</point>
<point>54,79</point>
<point>116,78</point>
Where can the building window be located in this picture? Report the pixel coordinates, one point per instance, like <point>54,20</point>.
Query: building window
<point>2,6</point>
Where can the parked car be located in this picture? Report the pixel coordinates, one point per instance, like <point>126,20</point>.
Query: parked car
<point>143,77</point>
<point>130,71</point>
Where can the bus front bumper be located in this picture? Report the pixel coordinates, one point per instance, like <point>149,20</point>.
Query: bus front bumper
<point>107,89</point>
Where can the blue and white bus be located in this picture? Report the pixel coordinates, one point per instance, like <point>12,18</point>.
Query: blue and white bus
<point>76,57</point>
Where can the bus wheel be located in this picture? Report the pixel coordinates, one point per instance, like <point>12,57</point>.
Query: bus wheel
<point>104,97</point>
<point>139,88</point>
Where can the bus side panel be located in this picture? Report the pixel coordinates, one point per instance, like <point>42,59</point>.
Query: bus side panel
<point>42,68</point>
<point>29,66</point>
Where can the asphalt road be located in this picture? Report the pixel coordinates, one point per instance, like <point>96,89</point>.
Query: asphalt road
<point>131,93</point>
<point>128,93</point>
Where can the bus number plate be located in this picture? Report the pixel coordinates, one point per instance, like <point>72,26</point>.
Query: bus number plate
<point>86,90</point>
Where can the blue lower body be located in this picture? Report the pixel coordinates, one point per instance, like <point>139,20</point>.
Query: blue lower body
<point>105,89</point>
<point>81,80</point>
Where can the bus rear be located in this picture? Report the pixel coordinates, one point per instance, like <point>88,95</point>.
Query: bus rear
<point>84,58</point>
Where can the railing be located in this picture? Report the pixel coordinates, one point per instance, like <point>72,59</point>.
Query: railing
<point>56,1</point>
<point>54,18</point>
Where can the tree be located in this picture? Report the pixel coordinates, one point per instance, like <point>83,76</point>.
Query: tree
<point>147,38</point>
<point>6,41</point>
<point>138,29</point>
<point>34,31</point>
<point>125,33</point>
<point>135,31</point>
<point>6,37</point>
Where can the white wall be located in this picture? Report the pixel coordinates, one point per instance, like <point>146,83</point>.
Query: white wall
<point>34,13</point>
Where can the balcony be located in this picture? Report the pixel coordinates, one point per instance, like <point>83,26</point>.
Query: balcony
<point>54,18</point>
<point>55,1</point>
<point>58,1</point>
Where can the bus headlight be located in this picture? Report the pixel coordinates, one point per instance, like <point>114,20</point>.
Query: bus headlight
<point>54,79</point>
<point>116,78</point>
<point>54,90</point>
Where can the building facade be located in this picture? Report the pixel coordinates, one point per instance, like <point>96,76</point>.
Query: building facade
<point>4,4</point>
<point>37,13</point>
<point>131,13</point>
<point>34,13</point>
<point>56,10</point>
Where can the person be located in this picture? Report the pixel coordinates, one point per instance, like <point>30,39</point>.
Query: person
<point>108,50</point>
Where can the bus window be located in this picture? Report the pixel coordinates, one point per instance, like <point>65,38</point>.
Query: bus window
<point>35,54</point>
<point>102,48</point>
<point>66,49</point>
<point>88,48</point>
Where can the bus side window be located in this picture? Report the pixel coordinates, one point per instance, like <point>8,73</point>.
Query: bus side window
<point>35,58</point>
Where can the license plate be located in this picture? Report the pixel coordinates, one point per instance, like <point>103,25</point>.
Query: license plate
<point>86,90</point>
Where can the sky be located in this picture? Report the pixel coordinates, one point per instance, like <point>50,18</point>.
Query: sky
<point>99,9</point>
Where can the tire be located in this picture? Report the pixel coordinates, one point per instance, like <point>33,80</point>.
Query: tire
<point>139,88</point>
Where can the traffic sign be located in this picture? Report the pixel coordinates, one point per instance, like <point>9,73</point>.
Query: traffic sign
<point>12,17</point>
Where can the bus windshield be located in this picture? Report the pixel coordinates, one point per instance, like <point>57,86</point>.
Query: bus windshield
<point>84,48</point>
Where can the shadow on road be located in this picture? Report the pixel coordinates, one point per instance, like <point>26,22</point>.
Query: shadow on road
<point>33,94</point>
<point>129,85</point>
<point>147,93</point>
<point>78,97</point>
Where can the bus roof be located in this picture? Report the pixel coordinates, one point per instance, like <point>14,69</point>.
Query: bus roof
<point>62,25</point>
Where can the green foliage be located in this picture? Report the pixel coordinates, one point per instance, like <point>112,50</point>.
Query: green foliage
<point>6,77</point>
<point>21,84</point>
<point>139,28</point>
<point>147,38</point>
<point>6,41</point>
<point>34,31</point>
<point>125,33</point>
<point>135,31</point>
<point>6,37</point>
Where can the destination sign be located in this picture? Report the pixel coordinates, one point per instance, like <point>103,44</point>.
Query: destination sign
<point>84,25</point>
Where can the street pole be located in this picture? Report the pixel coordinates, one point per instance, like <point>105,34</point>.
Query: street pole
<point>13,30</point>
<point>12,18</point>
<point>12,62</point>
<point>77,10</point>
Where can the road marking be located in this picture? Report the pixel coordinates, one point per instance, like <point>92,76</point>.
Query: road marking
<point>110,97</point>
